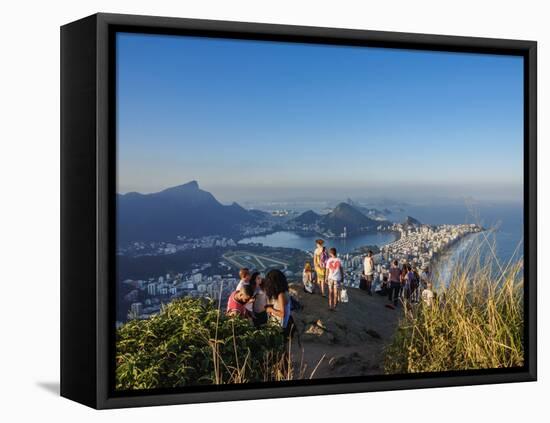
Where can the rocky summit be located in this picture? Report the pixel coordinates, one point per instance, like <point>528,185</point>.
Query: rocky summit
<point>347,342</point>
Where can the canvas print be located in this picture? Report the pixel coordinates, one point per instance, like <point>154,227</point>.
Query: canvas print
<point>290,211</point>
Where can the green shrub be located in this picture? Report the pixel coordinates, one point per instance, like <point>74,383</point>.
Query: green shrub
<point>190,343</point>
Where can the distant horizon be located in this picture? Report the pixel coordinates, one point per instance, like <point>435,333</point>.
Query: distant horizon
<point>257,120</point>
<point>361,197</point>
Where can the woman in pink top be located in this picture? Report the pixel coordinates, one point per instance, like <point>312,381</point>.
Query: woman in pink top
<point>236,303</point>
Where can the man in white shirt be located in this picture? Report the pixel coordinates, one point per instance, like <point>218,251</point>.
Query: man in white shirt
<point>368,271</point>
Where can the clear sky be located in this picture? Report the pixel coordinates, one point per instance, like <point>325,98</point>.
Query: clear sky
<point>259,120</point>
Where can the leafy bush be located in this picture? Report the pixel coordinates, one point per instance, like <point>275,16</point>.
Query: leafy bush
<point>190,343</point>
<point>475,323</point>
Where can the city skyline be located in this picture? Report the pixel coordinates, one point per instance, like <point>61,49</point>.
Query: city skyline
<point>279,120</point>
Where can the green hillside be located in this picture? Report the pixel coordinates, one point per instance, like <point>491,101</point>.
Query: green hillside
<point>190,343</point>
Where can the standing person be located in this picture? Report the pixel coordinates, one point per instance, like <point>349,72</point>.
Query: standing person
<point>425,277</point>
<point>237,301</point>
<point>395,282</point>
<point>319,262</point>
<point>335,277</point>
<point>244,275</point>
<point>415,284</point>
<point>411,283</point>
<point>276,289</point>
<point>308,278</point>
<point>403,280</point>
<point>259,315</point>
<point>253,282</point>
<point>428,295</point>
<point>368,270</point>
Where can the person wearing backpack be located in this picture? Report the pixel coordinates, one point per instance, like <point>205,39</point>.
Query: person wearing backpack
<point>320,258</point>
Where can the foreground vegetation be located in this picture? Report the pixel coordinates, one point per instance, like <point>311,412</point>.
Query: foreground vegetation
<point>476,322</point>
<point>190,342</point>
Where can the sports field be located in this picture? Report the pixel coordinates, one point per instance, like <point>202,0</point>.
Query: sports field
<point>253,261</point>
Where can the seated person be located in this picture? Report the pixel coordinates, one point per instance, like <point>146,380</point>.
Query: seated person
<point>308,278</point>
<point>237,301</point>
<point>244,275</point>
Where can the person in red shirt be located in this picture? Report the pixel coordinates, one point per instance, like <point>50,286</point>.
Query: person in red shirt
<point>236,303</point>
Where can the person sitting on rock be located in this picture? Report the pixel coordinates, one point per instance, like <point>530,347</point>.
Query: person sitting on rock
<point>237,301</point>
<point>308,278</point>
<point>276,288</point>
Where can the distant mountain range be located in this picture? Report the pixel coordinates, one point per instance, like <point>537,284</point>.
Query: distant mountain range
<point>190,211</point>
<point>182,210</point>
<point>342,216</point>
<point>349,217</point>
<point>411,221</point>
<point>372,213</point>
<point>307,218</point>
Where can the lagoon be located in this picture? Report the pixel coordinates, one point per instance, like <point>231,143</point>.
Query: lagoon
<point>289,239</point>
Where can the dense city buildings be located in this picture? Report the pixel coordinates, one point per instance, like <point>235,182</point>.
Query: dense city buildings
<point>416,244</point>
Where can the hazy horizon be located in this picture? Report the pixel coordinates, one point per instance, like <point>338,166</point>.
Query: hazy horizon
<point>254,120</point>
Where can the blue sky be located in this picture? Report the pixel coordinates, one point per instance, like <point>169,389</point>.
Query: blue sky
<point>259,120</point>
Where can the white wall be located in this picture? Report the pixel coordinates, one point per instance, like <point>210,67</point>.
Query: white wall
<point>29,208</point>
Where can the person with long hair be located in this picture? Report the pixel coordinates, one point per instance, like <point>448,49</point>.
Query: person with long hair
<point>252,282</point>
<point>320,258</point>
<point>275,286</point>
<point>308,278</point>
<point>259,315</point>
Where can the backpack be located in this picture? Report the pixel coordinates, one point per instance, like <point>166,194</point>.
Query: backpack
<point>323,257</point>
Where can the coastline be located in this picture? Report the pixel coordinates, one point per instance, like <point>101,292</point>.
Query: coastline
<point>445,260</point>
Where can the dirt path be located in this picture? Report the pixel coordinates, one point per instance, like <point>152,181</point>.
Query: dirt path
<point>352,338</point>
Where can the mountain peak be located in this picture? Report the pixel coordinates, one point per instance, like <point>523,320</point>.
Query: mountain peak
<point>190,186</point>
<point>411,221</point>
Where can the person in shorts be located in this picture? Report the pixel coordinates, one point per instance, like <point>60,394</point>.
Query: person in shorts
<point>320,258</point>
<point>368,271</point>
<point>335,277</point>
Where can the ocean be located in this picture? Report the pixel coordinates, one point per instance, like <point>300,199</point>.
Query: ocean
<point>505,222</point>
<point>303,242</point>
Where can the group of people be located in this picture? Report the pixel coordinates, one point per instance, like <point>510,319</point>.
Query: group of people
<point>327,273</point>
<point>406,283</point>
<point>259,298</point>
<point>400,282</point>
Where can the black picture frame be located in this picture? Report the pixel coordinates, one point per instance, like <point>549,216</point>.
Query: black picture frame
<point>88,149</point>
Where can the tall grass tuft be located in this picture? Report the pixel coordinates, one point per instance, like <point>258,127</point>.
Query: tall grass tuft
<point>475,322</point>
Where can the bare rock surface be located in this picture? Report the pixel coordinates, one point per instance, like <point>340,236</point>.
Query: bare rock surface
<point>347,342</point>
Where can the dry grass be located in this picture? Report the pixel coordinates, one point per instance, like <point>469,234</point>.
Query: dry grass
<point>476,322</point>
